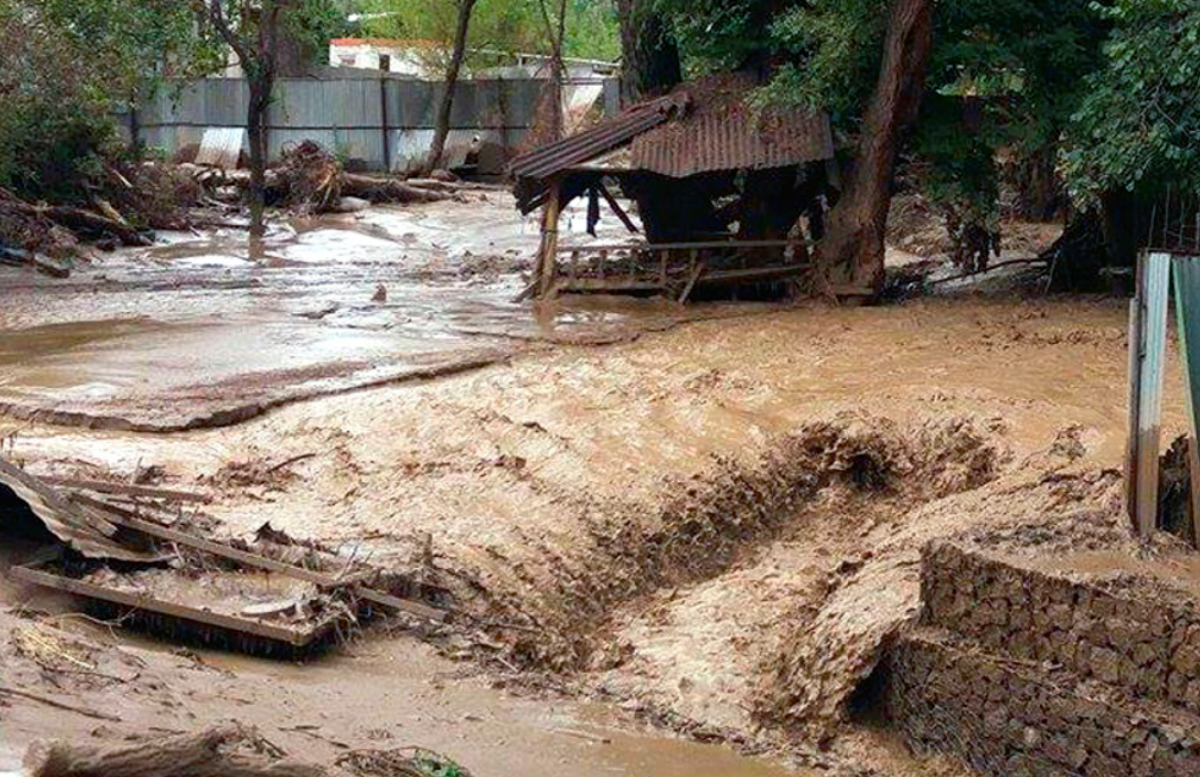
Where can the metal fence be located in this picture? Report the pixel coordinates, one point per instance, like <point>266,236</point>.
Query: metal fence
<point>380,122</point>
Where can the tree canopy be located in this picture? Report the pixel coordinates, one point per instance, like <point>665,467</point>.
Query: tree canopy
<point>1138,123</point>
<point>498,25</point>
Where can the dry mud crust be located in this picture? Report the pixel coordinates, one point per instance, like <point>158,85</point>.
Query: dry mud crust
<point>1130,632</point>
<point>1011,718</point>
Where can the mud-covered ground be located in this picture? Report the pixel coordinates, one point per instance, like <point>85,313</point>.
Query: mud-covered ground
<point>712,526</point>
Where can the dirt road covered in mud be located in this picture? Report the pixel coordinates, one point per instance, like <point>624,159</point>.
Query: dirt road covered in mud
<point>714,527</point>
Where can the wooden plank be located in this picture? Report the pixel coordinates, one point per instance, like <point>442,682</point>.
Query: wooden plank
<point>601,285</point>
<point>752,273</point>
<point>295,637</point>
<point>271,565</point>
<point>697,271</point>
<point>1153,353</point>
<point>705,245</point>
<point>1187,316</point>
<point>547,256</point>
<point>105,487</point>
<point>616,208</point>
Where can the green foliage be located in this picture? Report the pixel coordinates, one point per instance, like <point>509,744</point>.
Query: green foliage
<point>1139,124</point>
<point>499,25</point>
<point>135,46</point>
<point>833,50</point>
<point>65,68</point>
<point>717,34</point>
<point>312,23</point>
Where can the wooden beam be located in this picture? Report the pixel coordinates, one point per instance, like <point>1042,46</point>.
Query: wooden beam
<point>105,487</point>
<point>697,271</point>
<point>752,273</point>
<point>707,244</point>
<point>122,518</point>
<point>141,601</point>
<point>616,207</point>
<point>548,253</point>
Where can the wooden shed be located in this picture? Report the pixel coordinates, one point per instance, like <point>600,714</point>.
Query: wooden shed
<point>720,185</point>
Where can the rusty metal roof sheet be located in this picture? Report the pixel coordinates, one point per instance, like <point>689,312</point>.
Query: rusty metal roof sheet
<point>733,136</point>
<point>702,126</point>
<point>606,136</point>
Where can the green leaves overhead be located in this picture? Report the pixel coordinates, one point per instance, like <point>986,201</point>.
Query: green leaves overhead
<point>498,25</point>
<point>1138,124</point>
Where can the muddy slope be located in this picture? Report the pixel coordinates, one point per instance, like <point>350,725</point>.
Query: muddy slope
<point>712,520</point>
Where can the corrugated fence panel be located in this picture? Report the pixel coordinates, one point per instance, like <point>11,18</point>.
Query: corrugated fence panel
<point>326,104</point>
<point>343,114</point>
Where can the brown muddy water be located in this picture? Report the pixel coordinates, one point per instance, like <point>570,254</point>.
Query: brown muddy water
<point>206,326</point>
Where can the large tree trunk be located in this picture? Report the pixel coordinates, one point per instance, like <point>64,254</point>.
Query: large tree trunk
<point>650,57</point>
<point>442,126</point>
<point>851,255</point>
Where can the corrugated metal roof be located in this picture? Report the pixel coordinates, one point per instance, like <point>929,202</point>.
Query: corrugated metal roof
<point>221,147</point>
<point>733,137</point>
<point>703,126</point>
<point>604,137</point>
<point>83,528</point>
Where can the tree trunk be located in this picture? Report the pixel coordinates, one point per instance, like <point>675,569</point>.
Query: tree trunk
<point>442,126</point>
<point>557,75</point>
<point>851,255</point>
<point>256,132</point>
<point>650,56</point>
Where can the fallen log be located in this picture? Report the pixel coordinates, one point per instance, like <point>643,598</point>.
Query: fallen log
<point>214,751</point>
<point>389,190</point>
<point>79,220</point>
<point>17,257</point>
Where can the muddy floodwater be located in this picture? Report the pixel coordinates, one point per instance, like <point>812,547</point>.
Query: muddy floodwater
<point>705,521</point>
<point>205,328</point>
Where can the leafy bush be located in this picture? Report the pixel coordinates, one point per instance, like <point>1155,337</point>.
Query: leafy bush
<point>1138,126</point>
<point>54,124</point>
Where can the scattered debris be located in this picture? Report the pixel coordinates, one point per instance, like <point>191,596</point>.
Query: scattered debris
<point>233,750</point>
<point>402,762</point>
<point>317,604</point>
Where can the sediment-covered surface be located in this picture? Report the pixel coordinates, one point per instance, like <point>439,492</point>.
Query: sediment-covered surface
<point>716,526</point>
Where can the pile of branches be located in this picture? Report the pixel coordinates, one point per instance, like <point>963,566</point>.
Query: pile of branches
<point>123,207</point>
<point>308,179</point>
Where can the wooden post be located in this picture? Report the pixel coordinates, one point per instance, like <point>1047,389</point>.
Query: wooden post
<point>549,249</point>
<point>383,120</point>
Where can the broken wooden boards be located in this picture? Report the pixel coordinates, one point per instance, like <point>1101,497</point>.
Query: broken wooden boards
<point>1148,345</point>
<point>217,604</point>
<point>84,528</point>
<point>184,615</point>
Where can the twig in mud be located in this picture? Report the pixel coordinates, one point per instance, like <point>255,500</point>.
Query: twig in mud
<point>311,731</point>
<point>60,705</point>
<point>582,735</point>
<point>292,460</point>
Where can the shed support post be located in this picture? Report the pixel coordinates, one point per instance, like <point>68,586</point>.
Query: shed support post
<point>548,251</point>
